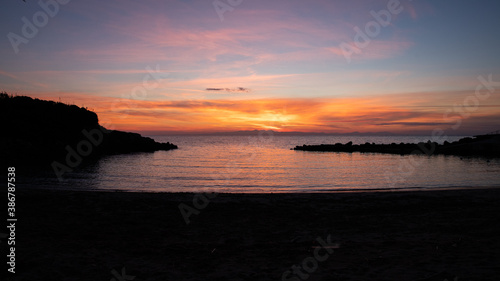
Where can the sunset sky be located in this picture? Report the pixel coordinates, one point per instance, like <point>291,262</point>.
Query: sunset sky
<point>167,66</point>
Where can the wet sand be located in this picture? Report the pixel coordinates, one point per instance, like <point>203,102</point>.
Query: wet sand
<point>426,235</point>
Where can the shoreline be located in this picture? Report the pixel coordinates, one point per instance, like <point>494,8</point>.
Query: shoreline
<point>84,235</point>
<point>318,192</point>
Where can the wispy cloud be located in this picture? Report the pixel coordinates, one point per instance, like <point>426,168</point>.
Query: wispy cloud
<point>270,64</point>
<point>229,90</point>
<point>403,113</point>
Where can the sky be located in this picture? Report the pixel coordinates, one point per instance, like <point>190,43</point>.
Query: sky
<point>184,66</point>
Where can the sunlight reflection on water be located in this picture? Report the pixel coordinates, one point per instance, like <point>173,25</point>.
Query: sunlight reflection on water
<point>253,164</point>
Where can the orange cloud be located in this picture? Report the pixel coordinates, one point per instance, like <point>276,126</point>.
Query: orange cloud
<point>408,113</point>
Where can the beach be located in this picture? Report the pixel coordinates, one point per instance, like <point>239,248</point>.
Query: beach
<point>418,235</point>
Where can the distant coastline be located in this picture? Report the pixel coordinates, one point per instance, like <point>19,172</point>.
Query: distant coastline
<point>265,132</point>
<point>277,133</point>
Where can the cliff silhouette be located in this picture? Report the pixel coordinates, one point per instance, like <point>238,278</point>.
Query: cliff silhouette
<point>38,132</point>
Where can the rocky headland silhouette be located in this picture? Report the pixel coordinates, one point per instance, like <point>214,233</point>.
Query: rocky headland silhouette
<point>38,132</point>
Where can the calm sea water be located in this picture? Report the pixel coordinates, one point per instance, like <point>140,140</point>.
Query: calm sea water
<point>265,163</point>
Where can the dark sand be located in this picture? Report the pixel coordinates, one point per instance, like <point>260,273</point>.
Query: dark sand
<point>428,235</point>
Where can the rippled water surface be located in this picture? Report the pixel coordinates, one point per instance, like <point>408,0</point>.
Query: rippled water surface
<point>265,163</point>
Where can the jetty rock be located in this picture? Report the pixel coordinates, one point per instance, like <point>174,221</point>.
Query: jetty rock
<point>482,145</point>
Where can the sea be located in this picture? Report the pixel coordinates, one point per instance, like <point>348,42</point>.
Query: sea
<point>265,163</point>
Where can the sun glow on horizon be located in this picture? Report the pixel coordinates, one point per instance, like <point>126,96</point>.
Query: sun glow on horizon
<point>402,113</point>
<point>175,65</point>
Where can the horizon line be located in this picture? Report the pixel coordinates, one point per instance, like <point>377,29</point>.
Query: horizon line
<point>287,133</point>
